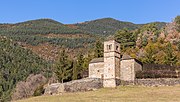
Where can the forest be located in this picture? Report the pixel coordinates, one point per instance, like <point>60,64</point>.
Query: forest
<point>16,64</point>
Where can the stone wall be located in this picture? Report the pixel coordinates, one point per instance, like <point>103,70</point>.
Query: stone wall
<point>127,70</point>
<point>86,84</point>
<point>153,82</point>
<point>89,84</point>
<point>117,68</point>
<point>96,70</point>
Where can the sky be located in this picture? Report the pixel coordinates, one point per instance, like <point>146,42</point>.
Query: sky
<point>75,11</point>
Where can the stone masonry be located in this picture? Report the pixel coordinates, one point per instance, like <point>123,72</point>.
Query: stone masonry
<point>113,67</point>
<point>111,63</point>
<point>129,67</point>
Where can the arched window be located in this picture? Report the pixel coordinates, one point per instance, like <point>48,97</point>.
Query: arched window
<point>109,47</point>
<point>117,48</point>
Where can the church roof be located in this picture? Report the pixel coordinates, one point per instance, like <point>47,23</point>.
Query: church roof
<point>96,60</point>
<point>125,57</point>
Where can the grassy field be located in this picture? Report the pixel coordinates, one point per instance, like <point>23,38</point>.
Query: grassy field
<point>119,94</point>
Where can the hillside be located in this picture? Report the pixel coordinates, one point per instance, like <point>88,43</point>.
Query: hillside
<point>16,64</point>
<point>39,26</point>
<point>35,32</point>
<point>105,26</point>
<point>46,31</point>
<point>41,34</point>
<point>108,26</point>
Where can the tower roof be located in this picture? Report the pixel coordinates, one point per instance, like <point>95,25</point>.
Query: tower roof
<point>111,40</point>
<point>96,60</point>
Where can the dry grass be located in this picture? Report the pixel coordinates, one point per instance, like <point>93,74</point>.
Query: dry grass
<point>120,94</point>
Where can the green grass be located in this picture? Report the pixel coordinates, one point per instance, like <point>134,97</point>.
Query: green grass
<point>119,94</point>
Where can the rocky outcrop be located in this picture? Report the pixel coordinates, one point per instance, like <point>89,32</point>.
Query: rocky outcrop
<point>86,84</point>
<point>26,88</point>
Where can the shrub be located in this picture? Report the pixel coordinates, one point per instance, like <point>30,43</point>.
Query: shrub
<point>39,91</point>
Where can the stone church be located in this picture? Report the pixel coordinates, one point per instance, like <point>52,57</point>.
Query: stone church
<point>113,68</point>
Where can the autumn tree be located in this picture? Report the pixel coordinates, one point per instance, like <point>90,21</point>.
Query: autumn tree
<point>169,58</point>
<point>150,51</point>
<point>148,32</point>
<point>178,45</point>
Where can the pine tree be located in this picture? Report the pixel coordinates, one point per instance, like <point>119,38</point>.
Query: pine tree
<point>79,65</point>
<point>125,37</point>
<point>86,63</point>
<point>75,71</point>
<point>63,67</point>
<point>98,49</point>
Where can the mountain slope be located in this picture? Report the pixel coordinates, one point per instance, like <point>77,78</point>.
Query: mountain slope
<point>16,64</point>
<point>40,31</point>
<point>108,26</point>
<point>158,24</point>
<point>39,26</point>
<point>105,26</point>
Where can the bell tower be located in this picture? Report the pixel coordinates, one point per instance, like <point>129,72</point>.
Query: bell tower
<point>111,63</point>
